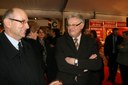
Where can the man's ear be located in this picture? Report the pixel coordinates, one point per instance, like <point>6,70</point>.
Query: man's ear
<point>7,22</point>
<point>82,25</point>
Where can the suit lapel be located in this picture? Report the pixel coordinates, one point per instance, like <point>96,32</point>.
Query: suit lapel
<point>70,43</point>
<point>12,52</point>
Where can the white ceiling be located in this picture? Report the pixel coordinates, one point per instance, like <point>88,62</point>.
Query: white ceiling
<point>55,8</point>
<point>114,7</point>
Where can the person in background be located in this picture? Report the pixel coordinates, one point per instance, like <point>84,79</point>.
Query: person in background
<point>31,38</point>
<point>51,61</point>
<point>32,31</point>
<point>87,31</point>
<point>42,38</point>
<point>77,55</point>
<point>111,51</point>
<point>122,58</point>
<point>18,62</point>
<point>55,33</point>
<point>93,34</point>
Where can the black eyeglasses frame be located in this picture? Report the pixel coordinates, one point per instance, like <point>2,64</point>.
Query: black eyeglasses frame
<point>21,21</point>
<point>75,24</point>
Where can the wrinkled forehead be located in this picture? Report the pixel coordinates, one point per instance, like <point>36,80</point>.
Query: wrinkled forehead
<point>20,14</point>
<point>73,20</point>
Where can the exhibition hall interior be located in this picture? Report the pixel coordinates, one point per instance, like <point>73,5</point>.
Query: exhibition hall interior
<point>100,15</point>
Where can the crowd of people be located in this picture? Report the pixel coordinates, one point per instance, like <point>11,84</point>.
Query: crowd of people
<point>35,55</point>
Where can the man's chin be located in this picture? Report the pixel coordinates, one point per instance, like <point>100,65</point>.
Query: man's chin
<point>72,34</point>
<point>22,36</point>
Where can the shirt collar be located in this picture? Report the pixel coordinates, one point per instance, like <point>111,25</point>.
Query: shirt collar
<point>79,37</point>
<point>13,41</point>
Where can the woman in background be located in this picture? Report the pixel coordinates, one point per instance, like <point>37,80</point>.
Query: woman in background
<point>122,58</point>
<point>93,34</point>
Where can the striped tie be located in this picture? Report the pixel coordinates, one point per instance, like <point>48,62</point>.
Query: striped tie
<point>76,43</point>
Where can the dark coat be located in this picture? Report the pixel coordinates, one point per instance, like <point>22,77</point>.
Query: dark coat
<point>19,68</point>
<point>38,49</point>
<point>108,46</point>
<point>122,57</point>
<point>66,48</point>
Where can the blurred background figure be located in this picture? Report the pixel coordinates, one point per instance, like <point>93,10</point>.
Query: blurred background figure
<point>122,58</point>
<point>31,37</point>
<point>32,31</point>
<point>93,34</point>
<point>52,68</point>
<point>42,38</point>
<point>55,33</point>
<point>87,32</point>
<point>111,51</point>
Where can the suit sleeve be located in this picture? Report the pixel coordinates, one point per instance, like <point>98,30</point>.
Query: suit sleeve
<point>3,73</point>
<point>91,64</point>
<point>63,66</point>
<point>86,63</point>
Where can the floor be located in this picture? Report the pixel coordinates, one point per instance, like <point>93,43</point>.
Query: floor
<point>118,80</point>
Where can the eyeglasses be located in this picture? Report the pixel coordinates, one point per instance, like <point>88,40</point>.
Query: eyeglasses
<point>74,25</point>
<point>21,21</point>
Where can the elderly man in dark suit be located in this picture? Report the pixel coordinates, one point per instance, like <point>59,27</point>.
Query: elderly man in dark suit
<point>18,61</point>
<point>78,59</point>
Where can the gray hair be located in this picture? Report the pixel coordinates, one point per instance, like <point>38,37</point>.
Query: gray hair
<point>8,13</point>
<point>76,15</point>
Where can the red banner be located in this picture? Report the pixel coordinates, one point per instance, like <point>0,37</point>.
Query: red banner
<point>121,24</point>
<point>109,24</point>
<point>99,32</point>
<point>96,23</point>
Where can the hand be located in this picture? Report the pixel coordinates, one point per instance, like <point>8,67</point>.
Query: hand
<point>93,56</point>
<point>57,82</point>
<point>70,60</point>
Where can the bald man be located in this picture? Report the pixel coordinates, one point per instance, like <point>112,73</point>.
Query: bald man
<point>17,67</point>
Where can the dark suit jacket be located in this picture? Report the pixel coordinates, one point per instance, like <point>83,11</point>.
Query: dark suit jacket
<point>18,68</point>
<point>51,61</point>
<point>38,49</point>
<point>122,57</point>
<point>66,48</point>
<point>108,46</point>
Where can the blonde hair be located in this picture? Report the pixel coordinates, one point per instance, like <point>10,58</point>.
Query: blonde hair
<point>43,28</point>
<point>33,26</point>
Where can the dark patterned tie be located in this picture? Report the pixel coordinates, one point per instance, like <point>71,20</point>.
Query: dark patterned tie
<point>20,46</point>
<point>114,44</point>
<point>76,43</point>
<point>44,50</point>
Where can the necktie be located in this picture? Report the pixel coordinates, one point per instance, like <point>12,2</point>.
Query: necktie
<point>114,43</point>
<point>76,43</point>
<point>20,46</point>
<point>44,50</point>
